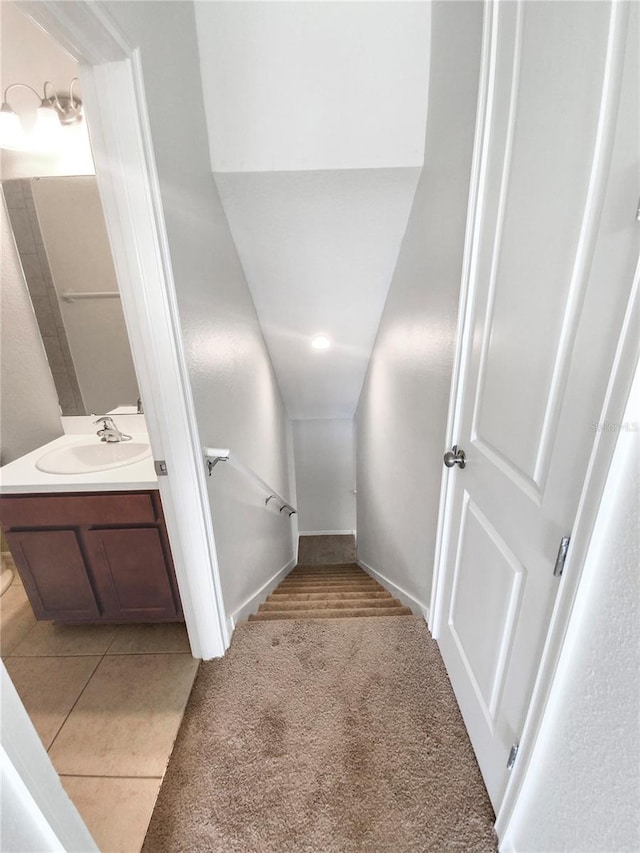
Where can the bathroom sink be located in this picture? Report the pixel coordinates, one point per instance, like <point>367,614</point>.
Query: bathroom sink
<point>85,457</point>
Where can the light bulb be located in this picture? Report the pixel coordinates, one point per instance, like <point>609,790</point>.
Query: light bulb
<point>47,131</point>
<point>75,155</point>
<point>12,135</point>
<point>321,342</point>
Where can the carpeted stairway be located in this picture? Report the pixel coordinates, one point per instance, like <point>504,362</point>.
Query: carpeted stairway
<point>323,736</point>
<point>321,732</point>
<point>332,591</point>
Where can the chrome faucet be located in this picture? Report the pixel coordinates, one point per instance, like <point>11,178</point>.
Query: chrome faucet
<point>110,431</point>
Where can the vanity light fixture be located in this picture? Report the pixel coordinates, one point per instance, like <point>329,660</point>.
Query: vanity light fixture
<point>321,342</point>
<point>56,111</point>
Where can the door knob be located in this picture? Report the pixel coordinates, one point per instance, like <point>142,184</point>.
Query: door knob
<point>455,457</point>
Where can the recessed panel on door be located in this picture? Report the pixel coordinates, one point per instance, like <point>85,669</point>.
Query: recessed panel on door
<point>486,596</point>
<point>529,253</point>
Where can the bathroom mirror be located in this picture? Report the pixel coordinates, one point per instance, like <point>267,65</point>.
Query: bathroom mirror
<point>62,241</point>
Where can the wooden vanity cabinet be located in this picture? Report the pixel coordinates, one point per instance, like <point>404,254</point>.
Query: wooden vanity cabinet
<point>93,557</point>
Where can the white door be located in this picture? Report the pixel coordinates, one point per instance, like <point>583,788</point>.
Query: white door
<point>554,249</point>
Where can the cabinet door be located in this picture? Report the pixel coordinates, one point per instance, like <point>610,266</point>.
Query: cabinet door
<point>54,574</point>
<point>131,574</point>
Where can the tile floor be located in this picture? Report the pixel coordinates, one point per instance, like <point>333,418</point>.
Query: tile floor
<point>107,702</point>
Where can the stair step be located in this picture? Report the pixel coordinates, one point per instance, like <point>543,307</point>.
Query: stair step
<point>322,573</point>
<point>331,614</point>
<point>330,580</point>
<point>326,573</point>
<point>327,596</point>
<point>354,579</point>
<point>320,570</point>
<point>353,604</point>
<point>319,567</point>
<point>327,582</point>
<point>329,591</point>
<point>331,588</point>
<point>344,576</point>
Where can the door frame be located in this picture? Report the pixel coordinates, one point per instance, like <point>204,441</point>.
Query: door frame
<point>626,359</point>
<point>113,91</point>
<point>31,782</point>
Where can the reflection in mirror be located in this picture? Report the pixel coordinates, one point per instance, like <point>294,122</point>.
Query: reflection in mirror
<point>62,240</point>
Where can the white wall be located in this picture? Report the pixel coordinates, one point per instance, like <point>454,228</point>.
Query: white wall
<point>319,249</point>
<point>316,114</point>
<point>77,246</point>
<point>237,400</point>
<point>29,412</point>
<point>401,417</point>
<point>584,777</point>
<point>325,475</point>
<point>314,85</point>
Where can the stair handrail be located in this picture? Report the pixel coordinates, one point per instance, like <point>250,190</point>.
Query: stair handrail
<point>213,455</point>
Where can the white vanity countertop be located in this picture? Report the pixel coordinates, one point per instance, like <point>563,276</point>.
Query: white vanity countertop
<point>22,476</point>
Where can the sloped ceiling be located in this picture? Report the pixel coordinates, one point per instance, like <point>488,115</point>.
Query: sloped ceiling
<point>316,113</point>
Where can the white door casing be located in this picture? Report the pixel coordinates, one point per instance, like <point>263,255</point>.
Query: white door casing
<point>113,90</point>
<point>550,267</point>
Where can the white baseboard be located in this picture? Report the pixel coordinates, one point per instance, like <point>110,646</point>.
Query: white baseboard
<point>327,533</point>
<point>417,607</point>
<point>251,604</point>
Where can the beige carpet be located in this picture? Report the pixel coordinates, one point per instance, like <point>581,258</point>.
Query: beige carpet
<point>333,735</point>
<point>340,591</point>
<point>327,548</point>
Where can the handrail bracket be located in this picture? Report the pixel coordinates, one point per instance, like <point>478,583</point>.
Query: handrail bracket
<point>292,511</point>
<point>211,463</point>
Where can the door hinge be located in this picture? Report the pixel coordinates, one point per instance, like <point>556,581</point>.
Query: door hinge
<point>161,467</point>
<point>562,556</point>
<point>513,754</point>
